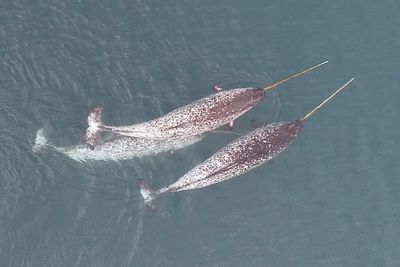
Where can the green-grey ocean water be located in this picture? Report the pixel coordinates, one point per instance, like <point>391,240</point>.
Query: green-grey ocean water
<point>331,199</point>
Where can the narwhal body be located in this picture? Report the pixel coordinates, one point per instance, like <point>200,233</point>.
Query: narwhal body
<point>245,153</point>
<point>239,156</point>
<point>198,117</point>
<point>114,147</point>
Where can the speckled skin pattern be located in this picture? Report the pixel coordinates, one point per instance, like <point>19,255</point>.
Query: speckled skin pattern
<point>120,148</point>
<point>201,116</point>
<point>240,156</point>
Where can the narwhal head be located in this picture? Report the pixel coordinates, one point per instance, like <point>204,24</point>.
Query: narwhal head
<point>295,127</point>
<point>248,98</point>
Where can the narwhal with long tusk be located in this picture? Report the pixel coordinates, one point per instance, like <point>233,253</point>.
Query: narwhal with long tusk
<point>198,117</point>
<point>240,156</point>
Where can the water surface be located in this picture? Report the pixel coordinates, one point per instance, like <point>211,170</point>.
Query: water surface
<point>331,199</point>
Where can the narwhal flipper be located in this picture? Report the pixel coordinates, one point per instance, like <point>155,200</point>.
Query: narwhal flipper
<point>217,89</point>
<point>231,125</point>
<point>94,129</point>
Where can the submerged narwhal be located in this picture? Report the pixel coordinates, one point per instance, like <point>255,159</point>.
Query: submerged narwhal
<point>196,118</point>
<point>239,156</point>
<point>114,147</point>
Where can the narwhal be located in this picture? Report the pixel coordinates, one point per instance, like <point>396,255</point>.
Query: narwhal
<point>239,156</point>
<point>198,117</point>
<point>114,147</point>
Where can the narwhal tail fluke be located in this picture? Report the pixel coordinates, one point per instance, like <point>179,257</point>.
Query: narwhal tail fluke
<point>147,193</point>
<point>94,128</point>
<point>40,142</point>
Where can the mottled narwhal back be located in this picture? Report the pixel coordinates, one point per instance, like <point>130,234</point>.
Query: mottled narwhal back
<point>262,144</point>
<point>227,105</point>
<point>275,137</point>
<point>243,100</point>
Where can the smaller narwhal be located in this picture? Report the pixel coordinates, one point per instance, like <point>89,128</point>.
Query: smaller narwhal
<point>113,147</point>
<point>239,156</point>
<point>201,116</point>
